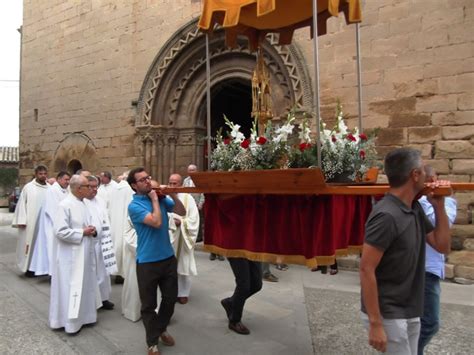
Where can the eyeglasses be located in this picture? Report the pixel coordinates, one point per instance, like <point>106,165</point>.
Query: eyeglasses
<point>145,178</point>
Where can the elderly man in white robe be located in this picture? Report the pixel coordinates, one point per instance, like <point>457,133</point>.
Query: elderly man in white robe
<point>118,212</point>
<point>183,234</point>
<point>100,220</point>
<point>26,218</point>
<point>75,294</point>
<point>43,253</point>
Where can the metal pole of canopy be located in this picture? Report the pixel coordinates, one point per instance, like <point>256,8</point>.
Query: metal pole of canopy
<point>359,76</point>
<point>208,102</point>
<point>316,79</point>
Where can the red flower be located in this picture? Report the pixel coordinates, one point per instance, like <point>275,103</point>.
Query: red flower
<point>351,137</point>
<point>334,139</point>
<point>363,136</point>
<point>261,140</point>
<point>303,146</point>
<point>362,154</point>
<point>226,141</point>
<point>245,143</point>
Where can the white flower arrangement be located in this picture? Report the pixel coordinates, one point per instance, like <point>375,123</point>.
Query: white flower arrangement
<point>343,151</point>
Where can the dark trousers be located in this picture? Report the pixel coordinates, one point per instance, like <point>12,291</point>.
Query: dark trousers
<point>150,276</point>
<point>430,319</point>
<point>248,281</point>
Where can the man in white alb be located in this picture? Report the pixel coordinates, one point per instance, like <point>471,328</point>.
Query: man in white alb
<point>183,235</point>
<point>43,252</point>
<point>26,217</point>
<point>118,212</point>
<point>100,220</point>
<point>107,188</point>
<point>75,294</point>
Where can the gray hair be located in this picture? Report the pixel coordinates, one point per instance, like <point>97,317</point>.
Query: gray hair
<point>93,178</point>
<point>399,164</point>
<point>76,181</point>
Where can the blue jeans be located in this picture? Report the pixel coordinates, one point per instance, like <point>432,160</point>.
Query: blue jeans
<point>430,318</point>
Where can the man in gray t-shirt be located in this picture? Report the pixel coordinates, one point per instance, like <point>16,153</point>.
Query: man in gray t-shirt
<point>392,263</point>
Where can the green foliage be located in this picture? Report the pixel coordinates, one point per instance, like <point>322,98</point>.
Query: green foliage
<point>8,177</point>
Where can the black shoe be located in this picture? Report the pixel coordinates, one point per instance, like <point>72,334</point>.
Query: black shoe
<point>212,256</point>
<point>239,328</point>
<point>30,274</point>
<point>107,305</point>
<point>226,303</point>
<point>119,280</point>
<point>270,277</point>
<point>220,257</point>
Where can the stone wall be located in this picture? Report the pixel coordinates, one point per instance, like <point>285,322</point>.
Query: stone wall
<point>84,64</point>
<point>417,87</point>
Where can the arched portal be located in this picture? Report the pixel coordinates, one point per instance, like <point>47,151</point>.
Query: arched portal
<point>171,119</point>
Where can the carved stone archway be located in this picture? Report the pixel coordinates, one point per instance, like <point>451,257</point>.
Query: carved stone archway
<point>73,149</point>
<point>170,123</point>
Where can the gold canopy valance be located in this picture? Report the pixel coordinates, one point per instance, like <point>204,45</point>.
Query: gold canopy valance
<point>256,18</point>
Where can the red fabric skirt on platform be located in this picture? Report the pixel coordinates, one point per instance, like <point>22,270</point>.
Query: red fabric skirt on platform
<point>296,229</point>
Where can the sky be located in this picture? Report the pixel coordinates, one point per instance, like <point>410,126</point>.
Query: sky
<point>11,18</point>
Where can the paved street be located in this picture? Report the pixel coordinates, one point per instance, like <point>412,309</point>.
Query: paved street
<point>304,313</point>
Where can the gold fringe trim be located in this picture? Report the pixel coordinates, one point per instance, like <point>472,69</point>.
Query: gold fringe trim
<point>283,259</point>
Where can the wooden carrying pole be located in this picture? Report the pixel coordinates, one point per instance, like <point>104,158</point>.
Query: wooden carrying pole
<point>328,189</point>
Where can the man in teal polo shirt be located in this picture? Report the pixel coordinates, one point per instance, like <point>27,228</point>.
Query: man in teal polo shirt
<point>156,263</point>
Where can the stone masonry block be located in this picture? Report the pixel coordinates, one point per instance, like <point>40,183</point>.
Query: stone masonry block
<point>457,242</point>
<point>458,132</point>
<point>469,244</point>
<point>455,178</point>
<point>453,118</point>
<point>456,84</point>
<point>463,230</point>
<point>452,52</point>
<point>437,103</point>
<point>449,271</point>
<point>423,134</point>
<point>466,101</point>
<point>436,70</point>
<point>463,257</point>
<point>394,11</point>
<point>466,272</point>
<point>393,107</point>
<point>423,40</point>
<point>416,88</point>
<point>382,151</point>
<point>457,33</point>
<point>425,149</point>
<point>407,25</point>
<point>441,166</point>
<point>409,120</point>
<point>392,136</point>
<point>400,75</point>
<point>463,166</point>
<point>392,45</point>
<point>454,149</point>
<point>436,19</point>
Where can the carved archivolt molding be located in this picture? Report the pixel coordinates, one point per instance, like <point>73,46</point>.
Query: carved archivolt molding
<point>285,62</point>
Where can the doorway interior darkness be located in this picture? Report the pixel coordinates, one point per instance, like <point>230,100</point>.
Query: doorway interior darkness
<point>232,98</point>
<point>73,166</point>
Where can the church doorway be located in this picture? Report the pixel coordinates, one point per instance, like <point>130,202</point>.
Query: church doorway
<point>232,98</point>
<point>73,166</point>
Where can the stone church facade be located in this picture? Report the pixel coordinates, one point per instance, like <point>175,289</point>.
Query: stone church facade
<point>109,85</point>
